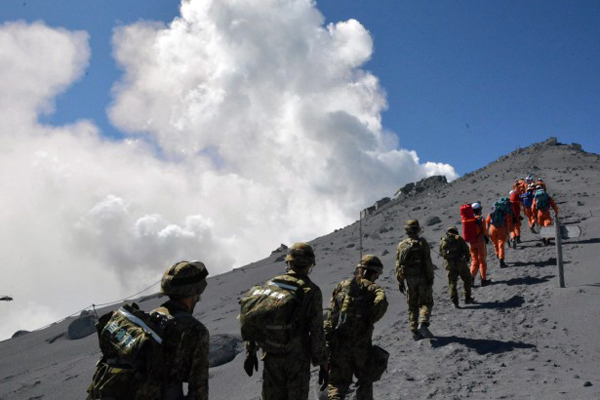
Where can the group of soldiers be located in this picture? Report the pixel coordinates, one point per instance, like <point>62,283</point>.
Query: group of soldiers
<point>340,343</point>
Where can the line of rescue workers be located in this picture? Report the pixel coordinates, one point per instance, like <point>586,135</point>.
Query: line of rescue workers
<point>150,355</point>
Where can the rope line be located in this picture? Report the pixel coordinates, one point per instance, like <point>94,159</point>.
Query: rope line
<point>93,306</point>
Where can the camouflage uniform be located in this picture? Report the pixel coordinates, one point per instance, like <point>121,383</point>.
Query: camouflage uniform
<point>350,348</point>
<point>418,275</point>
<point>286,376</point>
<point>157,371</point>
<point>186,353</point>
<point>456,254</point>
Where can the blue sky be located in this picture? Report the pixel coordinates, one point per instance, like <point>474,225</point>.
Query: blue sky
<point>466,81</point>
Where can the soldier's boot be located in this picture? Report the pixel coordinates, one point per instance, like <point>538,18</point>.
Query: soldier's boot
<point>416,335</point>
<point>455,302</point>
<point>424,330</point>
<point>469,300</point>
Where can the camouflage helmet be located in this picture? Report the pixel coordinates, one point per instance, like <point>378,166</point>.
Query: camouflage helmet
<point>371,263</point>
<point>452,230</point>
<point>301,255</point>
<point>412,226</point>
<point>185,278</point>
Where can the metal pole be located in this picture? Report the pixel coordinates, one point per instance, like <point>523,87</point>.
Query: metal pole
<point>559,255</point>
<point>361,235</point>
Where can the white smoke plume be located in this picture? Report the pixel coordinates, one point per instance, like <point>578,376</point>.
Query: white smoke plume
<point>248,124</point>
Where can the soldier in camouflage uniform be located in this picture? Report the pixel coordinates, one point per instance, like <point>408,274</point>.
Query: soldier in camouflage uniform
<point>456,254</point>
<point>186,340</point>
<point>414,271</point>
<point>355,306</point>
<point>286,375</point>
<point>183,355</point>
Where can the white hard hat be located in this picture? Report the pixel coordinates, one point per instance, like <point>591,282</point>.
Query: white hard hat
<point>476,206</point>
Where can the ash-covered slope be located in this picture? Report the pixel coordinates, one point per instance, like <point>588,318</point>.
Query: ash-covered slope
<point>525,337</point>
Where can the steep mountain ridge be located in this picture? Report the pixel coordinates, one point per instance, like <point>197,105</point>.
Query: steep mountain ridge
<point>525,338</point>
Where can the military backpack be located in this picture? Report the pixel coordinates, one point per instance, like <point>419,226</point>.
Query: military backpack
<point>268,313</point>
<point>132,363</point>
<point>351,315</point>
<point>450,247</point>
<point>410,257</point>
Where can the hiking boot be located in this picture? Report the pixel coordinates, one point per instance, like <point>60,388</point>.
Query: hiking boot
<point>519,239</point>
<point>469,300</point>
<point>472,280</point>
<point>485,282</point>
<point>416,335</point>
<point>455,302</point>
<point>532,229</point>
<point>503,264</point>
<point>424,331</point>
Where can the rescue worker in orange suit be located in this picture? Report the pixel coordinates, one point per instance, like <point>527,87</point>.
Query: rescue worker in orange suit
<point>500,223</point>
<point>477,248</point>
<point>527,202</point>
<point>542,202</point>
<point>541,183</point>
<point>515,202</point>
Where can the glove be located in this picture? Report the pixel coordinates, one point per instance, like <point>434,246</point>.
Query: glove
<point>402,287</point>
<point>251,363</point>
<point>324,376</point>
<point>487,239</point>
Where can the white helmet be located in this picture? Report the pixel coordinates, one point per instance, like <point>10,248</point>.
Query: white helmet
<point>476,206</point>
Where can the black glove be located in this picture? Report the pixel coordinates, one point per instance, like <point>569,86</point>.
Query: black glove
<point>323,376</point>
<point>251,363</point>
<point>487,239</point>
<point>402,287</point>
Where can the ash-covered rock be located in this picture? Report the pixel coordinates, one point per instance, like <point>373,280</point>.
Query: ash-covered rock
<point>413,188</point>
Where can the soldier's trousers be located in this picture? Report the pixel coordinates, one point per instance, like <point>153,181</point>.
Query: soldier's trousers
<point>419,298</point>
<point>286,377</point>
<point>347,359</point>
<point>456,268</point>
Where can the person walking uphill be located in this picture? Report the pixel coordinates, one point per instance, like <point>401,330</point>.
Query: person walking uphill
<point>515,202</point>
<point>455,252</point>
<point>356,305</point>
<point>284,317</point>
<point>500,224</point>
<point>148,356</point>
<point>414,271</point>
<point>478,247</point>
<point>542,203</point>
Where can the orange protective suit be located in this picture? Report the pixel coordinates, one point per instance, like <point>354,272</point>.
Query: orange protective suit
<point>515,201</point>
<point>543,216</point>
<point>478,249</point>
<point>499,235</point>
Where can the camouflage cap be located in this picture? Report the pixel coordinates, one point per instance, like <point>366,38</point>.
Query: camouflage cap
<point>372,263</point>
<point>452,230</point>
<point>412,226</point>
<point>185,278</point>
<point>301,254</point>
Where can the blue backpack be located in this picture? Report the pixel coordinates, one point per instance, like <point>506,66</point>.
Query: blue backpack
<point>527,199</point>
